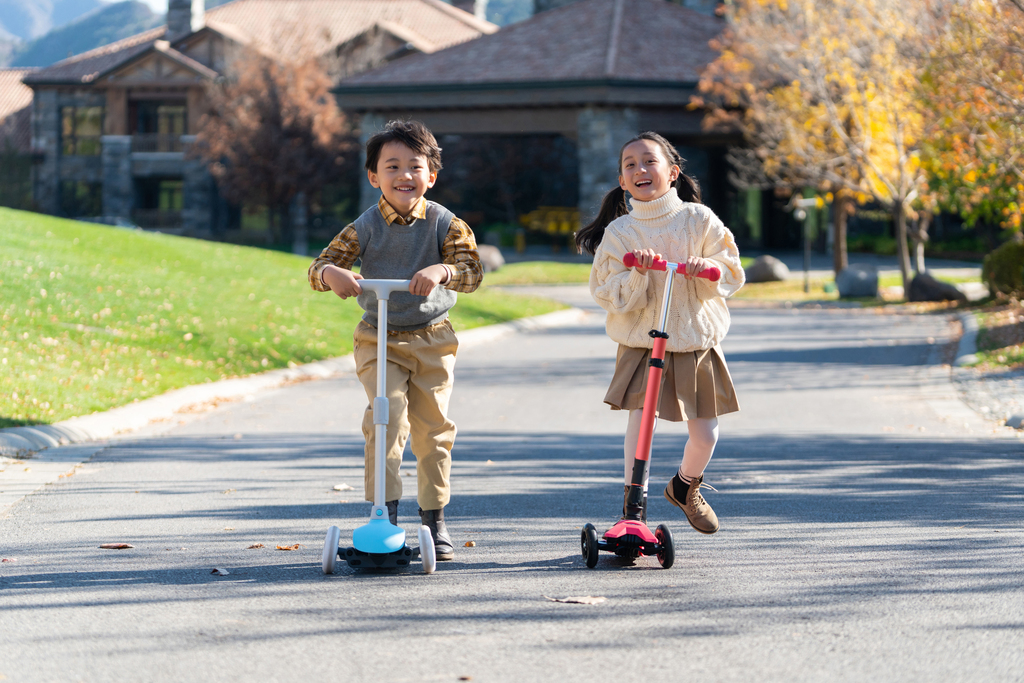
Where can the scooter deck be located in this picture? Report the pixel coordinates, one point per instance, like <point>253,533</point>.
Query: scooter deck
<point>629,537</point>
<point>399,559</point>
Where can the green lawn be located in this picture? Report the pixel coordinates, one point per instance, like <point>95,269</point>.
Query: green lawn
<point>93,317</point>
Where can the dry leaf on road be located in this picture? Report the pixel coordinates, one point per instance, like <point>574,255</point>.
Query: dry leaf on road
<point>116,546</point>
<point>9,559</point>
<point>585,600</point>
<point>289,547</point>
<point>470,544</point>
<point>220,572</point>
<point>254,546</point>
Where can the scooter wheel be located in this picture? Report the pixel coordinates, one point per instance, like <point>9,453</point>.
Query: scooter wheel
<point>427,553</point>
<point>331,549</point>
<point>588,545</point>
<point>667,552</point>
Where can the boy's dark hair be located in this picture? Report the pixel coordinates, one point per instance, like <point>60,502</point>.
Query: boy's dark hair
<point>412,134</point>
<point>614,203</point>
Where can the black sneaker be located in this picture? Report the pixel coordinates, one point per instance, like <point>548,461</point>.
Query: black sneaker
<point>393,511</point>
<point>434,520</point>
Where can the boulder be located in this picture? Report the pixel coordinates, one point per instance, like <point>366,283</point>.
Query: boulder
<point>925,287</point>
<point>491,257</point>
<point>767,269</point>
<point>857,281</point>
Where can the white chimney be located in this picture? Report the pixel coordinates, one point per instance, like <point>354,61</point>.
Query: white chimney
<point>184,17</point>
<point>478,8</point>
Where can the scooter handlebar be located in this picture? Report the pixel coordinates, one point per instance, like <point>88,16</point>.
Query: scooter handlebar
<point>711,273</point>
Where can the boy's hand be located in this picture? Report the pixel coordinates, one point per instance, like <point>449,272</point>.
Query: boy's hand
<point>424,281</point>
<point>696,265</point>
<point>342,282</point>
<point>644,259</point>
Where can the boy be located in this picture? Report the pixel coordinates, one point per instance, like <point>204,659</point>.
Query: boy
<point>407,237</point>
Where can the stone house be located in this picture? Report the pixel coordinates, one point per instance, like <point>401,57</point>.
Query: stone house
<point>111,128</point>
<point>579,77</point>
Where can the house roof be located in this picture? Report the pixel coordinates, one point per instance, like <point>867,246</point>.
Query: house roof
<point>15,109</point>
<point>637,41</point>
<point>288,28</point>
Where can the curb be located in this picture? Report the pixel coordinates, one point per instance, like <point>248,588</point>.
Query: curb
<point>968,347</point>
<point>21,442</point>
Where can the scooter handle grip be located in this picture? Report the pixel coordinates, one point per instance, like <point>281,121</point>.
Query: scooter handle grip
<point>711,273</point>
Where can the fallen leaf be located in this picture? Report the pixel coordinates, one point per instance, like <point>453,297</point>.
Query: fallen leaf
<point>585,600</point>
<point>28,469</point>
<point>220,572</point>
<point>116,546</point>
<point>9,559</point>
<point>343,487</point>
<point>229,528</point>
<point>228,491</point>
<point>289,547</point>
<point>254,546</point>
<point>465,678</point>
<point>470,544</point>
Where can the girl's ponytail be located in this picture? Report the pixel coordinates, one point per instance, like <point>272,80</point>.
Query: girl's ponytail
<point>589,237</point>
<point>687,188</point>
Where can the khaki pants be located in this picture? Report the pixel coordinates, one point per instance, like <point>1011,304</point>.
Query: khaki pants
<point>419,384</point>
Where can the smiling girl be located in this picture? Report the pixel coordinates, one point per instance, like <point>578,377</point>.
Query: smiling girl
<point>666,220</point>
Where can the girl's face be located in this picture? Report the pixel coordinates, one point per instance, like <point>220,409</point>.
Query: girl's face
<point>646,173</point>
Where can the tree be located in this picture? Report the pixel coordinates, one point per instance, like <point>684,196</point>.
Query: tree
<point>824,93</point>
<point>272,130</point>
<point>975,86</point>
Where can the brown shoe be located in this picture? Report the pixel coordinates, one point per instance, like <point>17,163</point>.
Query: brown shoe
<point>687,498</point>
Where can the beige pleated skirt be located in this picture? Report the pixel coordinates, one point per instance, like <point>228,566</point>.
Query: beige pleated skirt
<point>695,384</point>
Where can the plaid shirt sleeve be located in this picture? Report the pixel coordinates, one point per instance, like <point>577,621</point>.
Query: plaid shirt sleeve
<point>342,252</point>
<point>459,252</point>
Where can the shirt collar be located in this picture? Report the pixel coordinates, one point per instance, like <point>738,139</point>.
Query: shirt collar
<point>392,216</point>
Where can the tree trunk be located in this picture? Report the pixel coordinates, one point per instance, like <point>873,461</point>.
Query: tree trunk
<point>840,214</point>
<point>902,253</point>
<point>920,238</point>
<point>300,233</point>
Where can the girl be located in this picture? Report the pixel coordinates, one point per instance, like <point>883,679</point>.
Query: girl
<point>666,220</point>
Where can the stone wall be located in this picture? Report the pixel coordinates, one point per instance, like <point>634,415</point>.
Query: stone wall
<point>118,189</point>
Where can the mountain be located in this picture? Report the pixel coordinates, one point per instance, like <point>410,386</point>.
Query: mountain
<point>99,27</point>
<point>27,20</point>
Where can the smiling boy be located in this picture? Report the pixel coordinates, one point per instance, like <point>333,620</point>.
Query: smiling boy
<point>406,237</point>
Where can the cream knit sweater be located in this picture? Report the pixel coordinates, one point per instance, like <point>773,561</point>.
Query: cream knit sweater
<point>699,318</point>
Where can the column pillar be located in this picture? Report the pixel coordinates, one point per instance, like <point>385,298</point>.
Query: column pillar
<point>600,134</point>
<point>368,194</point>
<point>46,152</point>
<point>196,193</point>
<point>118,189</point>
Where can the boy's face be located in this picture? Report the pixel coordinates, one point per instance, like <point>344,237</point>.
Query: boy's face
<point>403,176</point>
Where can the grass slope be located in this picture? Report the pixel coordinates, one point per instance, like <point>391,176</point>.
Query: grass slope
<point>93,317</point>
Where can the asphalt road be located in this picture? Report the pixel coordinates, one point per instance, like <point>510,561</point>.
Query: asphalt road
<point>871,530</point>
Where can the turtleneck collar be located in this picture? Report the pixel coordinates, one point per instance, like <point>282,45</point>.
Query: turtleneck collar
<point>665,205</point>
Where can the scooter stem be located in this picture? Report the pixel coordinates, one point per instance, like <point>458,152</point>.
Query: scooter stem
<point>383,289</point>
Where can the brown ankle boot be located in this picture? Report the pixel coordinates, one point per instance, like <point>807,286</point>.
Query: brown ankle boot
<point>687,497</point>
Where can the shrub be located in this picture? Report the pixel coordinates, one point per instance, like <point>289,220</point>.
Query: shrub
<point>1003,269</point>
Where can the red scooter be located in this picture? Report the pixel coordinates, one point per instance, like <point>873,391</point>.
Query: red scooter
<point>631,537</point>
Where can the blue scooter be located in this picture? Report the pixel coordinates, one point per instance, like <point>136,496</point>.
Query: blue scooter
<point>379,544</point>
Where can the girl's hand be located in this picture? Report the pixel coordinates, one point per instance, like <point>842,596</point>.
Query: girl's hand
<point>695,265</point>
<point>644,259</point>
<point>342,282</point>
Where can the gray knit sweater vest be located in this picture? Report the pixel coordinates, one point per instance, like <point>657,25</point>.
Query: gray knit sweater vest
<point>397,252</point>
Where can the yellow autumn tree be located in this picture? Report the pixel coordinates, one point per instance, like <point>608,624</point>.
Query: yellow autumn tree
<point>824,92</point>
<point>975,87</point>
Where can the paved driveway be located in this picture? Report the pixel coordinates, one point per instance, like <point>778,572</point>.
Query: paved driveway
<point>871,530</point>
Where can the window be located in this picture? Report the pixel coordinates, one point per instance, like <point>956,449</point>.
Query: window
<point>157,126</point>
<point>81,128</point>
<point>81,199</point>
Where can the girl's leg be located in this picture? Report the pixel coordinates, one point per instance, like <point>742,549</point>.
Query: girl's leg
<point>683,490</point>
<point>629,445</point>
<point>699,447</point>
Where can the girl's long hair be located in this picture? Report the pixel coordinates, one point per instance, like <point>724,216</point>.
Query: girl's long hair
<point>589,237</point>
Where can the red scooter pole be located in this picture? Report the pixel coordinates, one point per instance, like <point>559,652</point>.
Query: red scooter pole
<point>641,462</point>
